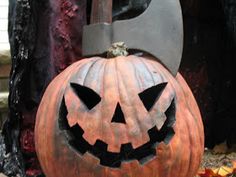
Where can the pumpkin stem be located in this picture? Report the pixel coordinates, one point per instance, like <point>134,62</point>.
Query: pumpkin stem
<point>117,49</point>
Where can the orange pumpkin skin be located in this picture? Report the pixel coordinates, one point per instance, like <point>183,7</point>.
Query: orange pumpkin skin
<point>119,79</point>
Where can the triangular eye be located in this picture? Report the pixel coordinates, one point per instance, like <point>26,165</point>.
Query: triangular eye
<point>151,95</point>
<point>86,95</point>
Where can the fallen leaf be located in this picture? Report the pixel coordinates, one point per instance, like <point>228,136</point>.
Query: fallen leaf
<point>224,171</point>
<point>234,167</point>
<point>207,173</point>
<point>216,172</point>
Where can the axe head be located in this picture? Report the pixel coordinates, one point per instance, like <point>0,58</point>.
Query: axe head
<point>157,31</point>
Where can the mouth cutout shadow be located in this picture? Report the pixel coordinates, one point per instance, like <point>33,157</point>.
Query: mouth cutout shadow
<point>143,153</point>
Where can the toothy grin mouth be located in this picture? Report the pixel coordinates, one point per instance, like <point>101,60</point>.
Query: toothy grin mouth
<point>143,153</point>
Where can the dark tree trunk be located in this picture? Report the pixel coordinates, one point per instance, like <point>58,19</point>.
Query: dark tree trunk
<point>45,37</point>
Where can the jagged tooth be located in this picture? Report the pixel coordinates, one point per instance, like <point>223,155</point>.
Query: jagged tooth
<point>161,121</point>
<point>113,160</point>
<point>144,139</point>
<point>115,149</point>
<point>79,144</point>
<point>127,151</point>
<point>76,130</point>
<point>100,149</point>
<point>90,139</point>
<point>126,147</point>
<point>75,137</point>
<point>127,165</point>
<point>153,134</point>
<point>100,145</point>
<point>72,122</point>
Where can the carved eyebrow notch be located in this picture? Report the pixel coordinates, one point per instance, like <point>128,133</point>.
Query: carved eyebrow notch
<point>88,96</point>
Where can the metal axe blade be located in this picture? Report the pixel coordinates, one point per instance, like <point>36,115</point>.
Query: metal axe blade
<point>157,31</point>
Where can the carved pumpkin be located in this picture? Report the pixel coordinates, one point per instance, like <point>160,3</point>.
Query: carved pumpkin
<point>125,116</point>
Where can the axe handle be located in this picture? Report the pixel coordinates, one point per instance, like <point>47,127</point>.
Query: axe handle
<point>101,11</point>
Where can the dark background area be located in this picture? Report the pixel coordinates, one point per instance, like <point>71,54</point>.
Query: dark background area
<point>208,65</point>
<point>45,37</point>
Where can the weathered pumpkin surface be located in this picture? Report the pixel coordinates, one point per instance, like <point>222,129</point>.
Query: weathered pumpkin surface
<point>125,116</point>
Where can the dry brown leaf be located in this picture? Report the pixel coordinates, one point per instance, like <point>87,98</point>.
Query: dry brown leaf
<point>223,171</point>
<point>234,167</point>
<point>206,173</point>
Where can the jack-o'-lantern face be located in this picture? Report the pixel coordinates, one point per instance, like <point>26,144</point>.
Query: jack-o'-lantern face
<point>129,129</point>
<point>125,116</point>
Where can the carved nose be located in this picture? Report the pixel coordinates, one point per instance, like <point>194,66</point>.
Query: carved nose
<point>118,116</point>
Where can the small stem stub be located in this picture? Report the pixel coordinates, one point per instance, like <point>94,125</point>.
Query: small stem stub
<point>117,49</point>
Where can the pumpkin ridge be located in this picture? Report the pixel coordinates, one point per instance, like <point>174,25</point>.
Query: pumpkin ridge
<point>163,80</point>
<point>159,68</point>
<point>147,69</point>
<point>173,85</point>
<point>154,83</point>
<point>45,121</point>
<point>135,70</point>
<point>197,129</point>
<point>108,67</point>
<point>193,140</point>
<point>81,70</point>
<point>198,121</point>
<point>197,124</point>
<point>176,150</point>
<point>187,104</point>
<point>184,166</point>
<point>142,128</point>
<point>132,63</point>
<point>86,71</point>
<point>101,93</point>
<point>126,133</point>
<point>142,76</point>
<point>121,82</point>
<point>191,154</point>
<point>89,68</point>
<point>169,82</point>
<point>117,78</point>
<point>98,68</point>
<point>186,123</point>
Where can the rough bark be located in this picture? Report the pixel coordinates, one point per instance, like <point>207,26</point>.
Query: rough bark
<point>45,37</point>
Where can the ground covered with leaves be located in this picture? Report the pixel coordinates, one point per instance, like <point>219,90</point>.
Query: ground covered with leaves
<point>219,162</point>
